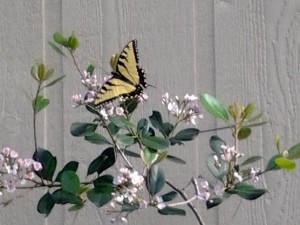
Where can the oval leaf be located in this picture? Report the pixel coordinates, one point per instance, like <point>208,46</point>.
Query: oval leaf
<point>285,163</point>
<point>45,204</point>
<point>294,152</point>
<point>172,211</point>
<point>169,196</point>
<point>48,162</point>
<point>96,138</point>
<point>212,202</point>
<point>156,180</point>
<point>215,144</point>
<point>40,103</point>
<point>100,195</point>
<point>70,182</point>
<point>63,197</point>
<point>251,159</point>
<point>155,142</point>
<point>102,162</point>
<point>244,133</point>
<point>60,39</point>
<point>184,135</point>
<point>70,166</point>
<point>214,106</point>
<point>247,191</point>
<point>83,129</point>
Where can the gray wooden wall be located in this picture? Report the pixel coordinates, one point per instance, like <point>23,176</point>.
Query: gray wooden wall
<point>237,50</point>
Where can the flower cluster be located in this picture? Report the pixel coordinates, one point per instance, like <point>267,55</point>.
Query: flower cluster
<point>186,109</point>
<point>90,81</point>
<point>110,110</point>
<point>128,183</point>
<point>230,154</point>
<point>14,170</point>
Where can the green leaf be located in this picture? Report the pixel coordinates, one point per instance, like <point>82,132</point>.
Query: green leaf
<point>247,191</point>
<point>96,138</point>
<point>151,156</point>
<point>125,139</point>
<point>100,195</point>
<point>90,69</point>
<point>113,128</point>
<point>83,129</point>
<point>142,127</point>
<point>56,48</point>
<point>285,163</point>
<point>244,133</point>
<point>48,162</point>
<point>294,152</point>
<point>248,111</point>
<point>130,105</point>
<point>215,144</point>
<point>184,135</point>
<point>214,106</point>
<point>60,39</point>
<point>63,197</point>
<point>157,122</point>
<point>120,121</point>
<point>212,202</point>
<point>70,166</point>
<point>272,165</point>
<point>251,159</point>
<point>175,159</point>
<point>54,81</point>
<point>105,180</point>
<point>168,128</point>
<point>76,207</point>
<point>169,196</point>
<point>219,173</point>
<point>40,103</point>
<point>155,142</point>
<point>45,204</point>
<point>70,182</point>
<point>156,180</point>
<point>102,162</point>
<point>73,42</point>
<point>172,211</point>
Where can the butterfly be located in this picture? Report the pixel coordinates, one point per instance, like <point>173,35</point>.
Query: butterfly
<point>128,79</point>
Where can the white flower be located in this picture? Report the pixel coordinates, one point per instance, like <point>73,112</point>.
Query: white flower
<point>6,151</point>
<point>37,166</point>
<point>77,99</point>
<point>123,220</point>
<point>254,173</point>
<point>173,108</point>
<point>238,176</point>
<point>219,189</point>
<point>119,111</point>
<point>203,195</point>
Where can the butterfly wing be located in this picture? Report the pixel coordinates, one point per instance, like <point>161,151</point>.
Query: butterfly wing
<point>127,81</point>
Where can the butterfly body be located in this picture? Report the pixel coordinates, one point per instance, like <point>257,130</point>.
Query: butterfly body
<point>128,79</point>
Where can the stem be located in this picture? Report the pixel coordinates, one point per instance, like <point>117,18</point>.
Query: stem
<point>231,126</point>
<point>190,205</point>
<point>75,63</point>
<point>34,116</point>
<point>184,202</point>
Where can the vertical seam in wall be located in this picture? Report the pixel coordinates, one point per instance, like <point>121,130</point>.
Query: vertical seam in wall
<point>214,76</point>
<point>44,60</point>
